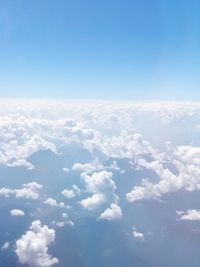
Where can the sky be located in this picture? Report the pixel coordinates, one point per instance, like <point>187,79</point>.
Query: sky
<point>108,49</point>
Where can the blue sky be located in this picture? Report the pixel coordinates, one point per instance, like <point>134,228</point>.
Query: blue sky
<point>135,50</point>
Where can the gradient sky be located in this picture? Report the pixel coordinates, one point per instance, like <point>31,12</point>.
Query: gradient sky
<point>108,49</point>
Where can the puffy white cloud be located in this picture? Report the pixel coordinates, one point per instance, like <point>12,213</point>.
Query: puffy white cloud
<point>29,191</point>
<point>186,160</point>
<point>138,235</point>
<point>68,193</point>
<point>88,167</point>
<point>112,213</point>
<point>32,247</point>
<point>189,215</point>
<point>52,202</point>
<point>17,212</point>
<point>101,185</point>
<point>5,246</point>
<point>93,202</point>
<point>99,181</point>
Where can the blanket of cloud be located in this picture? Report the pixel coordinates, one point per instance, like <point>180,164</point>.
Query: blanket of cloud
<point>99,184</point>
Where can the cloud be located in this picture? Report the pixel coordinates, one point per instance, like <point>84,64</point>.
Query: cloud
<point>88,167</point>
<point>138,235</point>
<point>93,202</point>
<point>17,212</point>
<point>5,246</point>
<point>29,191</point>
<point>68,193</point>
<point>189,215</point>
<point>65,221</point>
<point>186,160</point>
<point>101,185</point>
<point>112,213</point>
<point>32,247</point>
<point>28,127</point>
<point>53,202</point>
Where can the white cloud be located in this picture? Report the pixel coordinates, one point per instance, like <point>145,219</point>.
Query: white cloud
<point>93,202</point>
<point>189,215</point>
<point>52,202</point>
<point>68,193</point>
<point>28,127</point>
<point>101,185</point>
<point>6,192</point>
<point>87,167</point>
<point>32,247</point>
<point>29,191</point>
<point>186,159</point>
<point>138,235</point>
<point>112,213</point>
<point>5,246</point>
<point>17,212</point>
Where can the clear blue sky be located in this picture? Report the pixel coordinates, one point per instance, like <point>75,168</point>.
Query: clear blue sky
<point>105,49</point>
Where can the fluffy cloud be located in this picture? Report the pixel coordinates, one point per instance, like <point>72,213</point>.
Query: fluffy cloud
<point>17,212</point>
<point>138,235</point>
<point>28,127</point>
<point>186,160</point>
<point>93,202</point>
<point>53,202</point>
<point>101,185</point>
<point>29,191</point>
<point>50,201</point>
<point>189,215</point>
<point>68,193</point>
<point>32,247</point>
<point>112,213</point>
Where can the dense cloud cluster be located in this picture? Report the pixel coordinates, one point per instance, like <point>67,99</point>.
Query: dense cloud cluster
<point>142,143</point>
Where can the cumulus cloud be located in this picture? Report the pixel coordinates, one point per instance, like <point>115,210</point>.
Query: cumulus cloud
<point>93,202</point>
<point>68,193</point>
<point>50,201</point>
<point>138,235</point>
<point>32,247</point>
<point>186,160</point>
<point>17,212</point>
<point>87,167</point>
<point>101,185</point>
<point>53,202</point>
<point>189,215</point>
<point>112,213</point>
<point>29,191</point>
